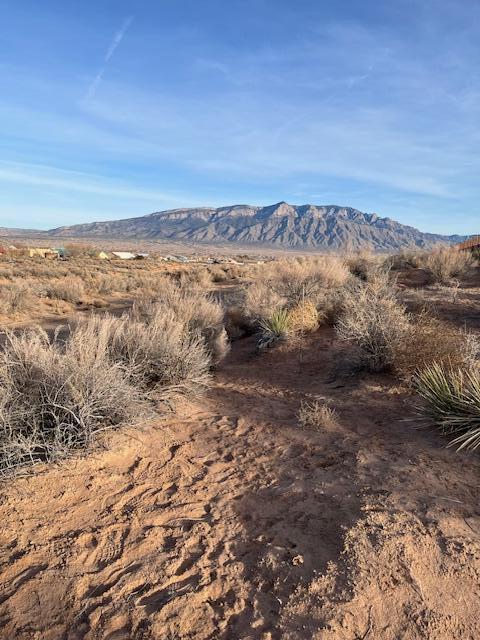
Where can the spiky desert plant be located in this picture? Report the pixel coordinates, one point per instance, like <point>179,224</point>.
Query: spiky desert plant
<point>452,400</point>
<point>274,328</point>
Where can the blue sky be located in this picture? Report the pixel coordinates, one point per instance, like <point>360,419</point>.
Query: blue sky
<point>114,109</point>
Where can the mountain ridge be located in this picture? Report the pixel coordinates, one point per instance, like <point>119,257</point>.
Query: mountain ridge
<point>280,225</point>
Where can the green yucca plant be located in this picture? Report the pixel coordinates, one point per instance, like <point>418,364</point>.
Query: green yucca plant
<point>452,401</point>
<point>274,328</point>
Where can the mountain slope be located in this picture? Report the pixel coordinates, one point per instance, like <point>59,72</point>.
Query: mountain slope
<point>279,225</point>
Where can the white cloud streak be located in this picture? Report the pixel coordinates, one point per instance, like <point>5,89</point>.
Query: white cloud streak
<point>114,44</point>
<point>118,37</point>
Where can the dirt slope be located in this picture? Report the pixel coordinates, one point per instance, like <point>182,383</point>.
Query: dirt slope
<point>230,522</point>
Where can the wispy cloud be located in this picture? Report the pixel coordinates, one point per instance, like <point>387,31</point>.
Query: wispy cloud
<point>53,177</point>
<point>114,44</point>
<point>379,111</point>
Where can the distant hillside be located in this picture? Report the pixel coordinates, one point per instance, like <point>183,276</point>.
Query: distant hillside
<point>18,233</point>
<point>279,225</point>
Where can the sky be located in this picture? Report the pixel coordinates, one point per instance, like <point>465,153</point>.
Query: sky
<point>118,108</point>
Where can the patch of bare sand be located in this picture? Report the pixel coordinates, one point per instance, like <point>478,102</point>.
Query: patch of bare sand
<point>230,522</point>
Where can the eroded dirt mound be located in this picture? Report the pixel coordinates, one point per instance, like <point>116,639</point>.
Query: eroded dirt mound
<point>230,522</point>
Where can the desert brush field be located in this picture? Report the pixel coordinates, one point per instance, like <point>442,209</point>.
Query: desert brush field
<point>273,450</point>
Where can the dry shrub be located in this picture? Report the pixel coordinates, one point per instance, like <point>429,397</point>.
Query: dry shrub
<point>428,340</point>
<point>227,272</point>
<point>261,300</point>
<point>200,277</point>
<point>285,284</point>
<point>219,274</point>
<point>331,306</point>
<point>373,320</point>
<point>163,354</point>
<point>317,415</point>
<point>445,263</point>
<point>235,271</point>
<point>366,265</point>
<point>237,324</point>
<point>55,396</point>
<point>69,289</point>
<point>300,279</point>
<point>406,258</point>
<point>105,284</point>
<point>200,313</point>
<point>53,399</point>
<point>15,298</point>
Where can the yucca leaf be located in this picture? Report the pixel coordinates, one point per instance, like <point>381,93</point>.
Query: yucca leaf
<point>451,400</point>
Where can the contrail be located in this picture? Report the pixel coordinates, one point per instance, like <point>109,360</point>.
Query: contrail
<point>116,40</point>
<point>118,37</point>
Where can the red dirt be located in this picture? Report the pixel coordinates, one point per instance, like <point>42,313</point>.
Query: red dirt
<point>231,522</point>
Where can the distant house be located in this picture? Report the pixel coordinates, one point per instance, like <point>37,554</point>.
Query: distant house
<point>124,255</point>
<point>103,255</point>
<point>42,252</point>
<point>177,258</point>
<point>141,256</point>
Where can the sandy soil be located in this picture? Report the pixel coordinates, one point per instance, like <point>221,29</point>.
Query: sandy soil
<point>231,522</point>
<point>458,304</point>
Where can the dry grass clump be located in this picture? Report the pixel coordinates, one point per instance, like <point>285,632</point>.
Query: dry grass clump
<point>285,323</point>
<point>374,321</point>
<point>70,289</point>
<point>304,317</point>
<point>451,399</point>
<point>428,340</point>
<point>317,415</point>
<point>445,263</point>
<point>53,399</point>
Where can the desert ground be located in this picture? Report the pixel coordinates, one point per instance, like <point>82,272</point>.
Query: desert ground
<point>232,518</point>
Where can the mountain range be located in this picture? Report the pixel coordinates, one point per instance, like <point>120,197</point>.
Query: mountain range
<point>279,225</point>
